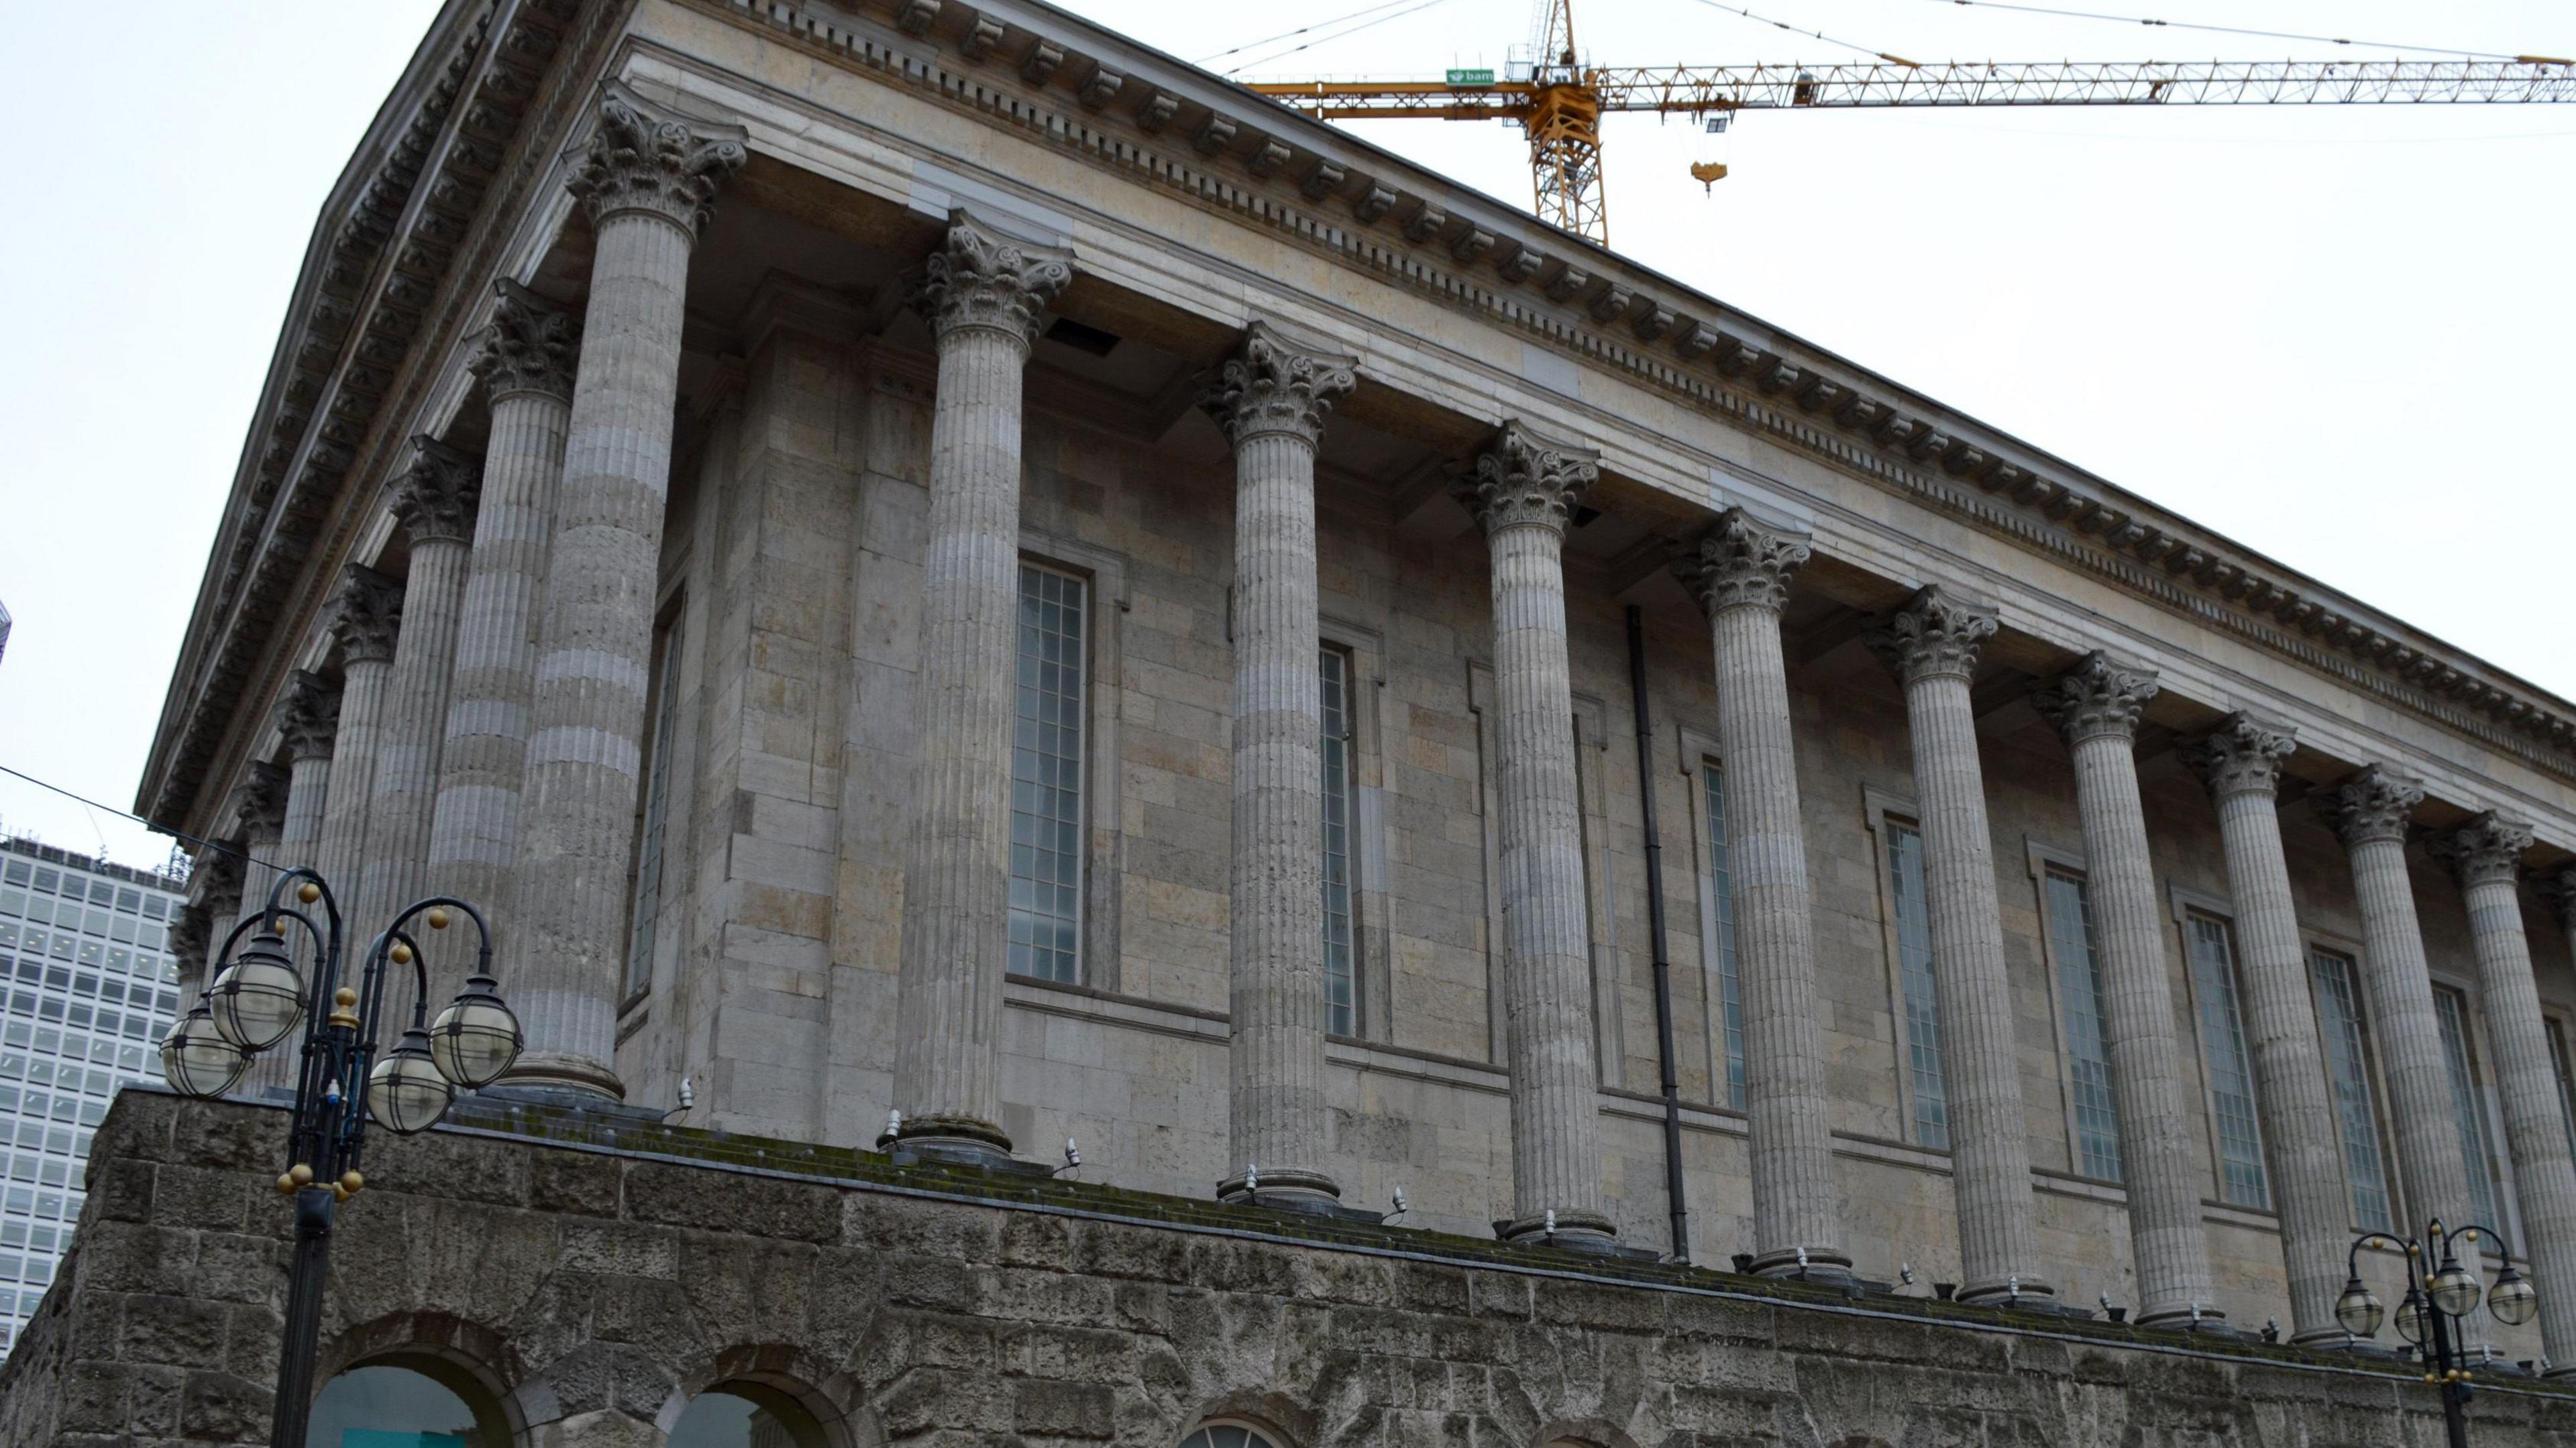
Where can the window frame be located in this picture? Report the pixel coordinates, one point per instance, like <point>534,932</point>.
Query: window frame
<point>1085,746</point>
<point>660,764</point>
<point>1355,941</point>
<point>2186,904</point>
<point>1883,812</point>
<point>2491,1139</point>
<point>1363,649</point>
<point>2045,860</point>
<point>1699,754</point>
<point>2373,1078</point>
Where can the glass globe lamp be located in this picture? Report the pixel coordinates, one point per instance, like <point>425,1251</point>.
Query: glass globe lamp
<point>406,1093</point>
<point>476,1038</point>
<point>2359,1309</point>
<point>259,998</point>
<point>196,1059</point>
<point>2511,1300</point>
<point>2455,1288</point>
<point>2411,1313</point>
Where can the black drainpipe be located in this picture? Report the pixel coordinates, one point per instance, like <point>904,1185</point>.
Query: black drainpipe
<point>1674,1200</point>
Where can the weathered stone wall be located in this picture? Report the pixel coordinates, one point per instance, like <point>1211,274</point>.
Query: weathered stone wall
<point>591,1291</point>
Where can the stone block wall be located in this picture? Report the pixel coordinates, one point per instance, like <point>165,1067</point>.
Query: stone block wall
<point>590,1289</point>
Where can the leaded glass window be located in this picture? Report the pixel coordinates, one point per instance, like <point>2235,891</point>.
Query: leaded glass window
<point>2477,1154</point>
<point>1046,777</point>
<point>646,906</point>
<point>2231,1075</point>
<point>2365,1165</point>
<point>1914,973</point>
<point>1721,886</point>
<point>1341,934</point>
<point>2075,944</point>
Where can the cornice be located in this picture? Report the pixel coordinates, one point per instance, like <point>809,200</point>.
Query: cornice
<point>375,284</point>
<point>1168,124</point>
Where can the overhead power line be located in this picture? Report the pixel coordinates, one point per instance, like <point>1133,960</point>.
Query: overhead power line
<point>2222,29</point>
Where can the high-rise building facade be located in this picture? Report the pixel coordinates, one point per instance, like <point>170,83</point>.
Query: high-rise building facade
<point>91,987</point>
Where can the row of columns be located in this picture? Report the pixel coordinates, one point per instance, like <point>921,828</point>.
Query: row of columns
<point>513,673</point>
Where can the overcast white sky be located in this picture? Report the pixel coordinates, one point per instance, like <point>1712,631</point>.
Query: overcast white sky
<point>2337,334</point>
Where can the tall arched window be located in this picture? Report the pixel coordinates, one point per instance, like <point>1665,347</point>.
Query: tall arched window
<point>746,1415</point>
<point>1228,1435</point>
<point>406,1403</point>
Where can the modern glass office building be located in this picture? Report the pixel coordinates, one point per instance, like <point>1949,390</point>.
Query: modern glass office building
<point>88,987</point>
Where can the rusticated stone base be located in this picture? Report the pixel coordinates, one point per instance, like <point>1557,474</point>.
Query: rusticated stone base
<point>587,1269</point>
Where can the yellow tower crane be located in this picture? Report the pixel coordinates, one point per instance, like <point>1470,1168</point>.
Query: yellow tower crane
<point>1559,102</point>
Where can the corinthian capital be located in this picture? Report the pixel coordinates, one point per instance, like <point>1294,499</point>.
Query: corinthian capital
<point>531,345</point>
<point>640,159</point>
<point>434,499</point>
<point>217,880</point>
<point>1742,564</point>
<point>1934,634</point>
<point>2242,756</point>
<point>978,281</point>
<point>1524,480</point>
<point>309,717</point>
<point>261,804</point>
<point>2486,850</point>
<point>2096,699</point>
<point>366,614</point>
<point>2372,805</point>
<point>1273,385</point>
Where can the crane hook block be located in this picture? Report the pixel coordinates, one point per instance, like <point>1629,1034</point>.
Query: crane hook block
<point>1708,173</point>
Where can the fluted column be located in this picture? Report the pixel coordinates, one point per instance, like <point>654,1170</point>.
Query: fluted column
<point>1270,399</point>
<point>2486,854</point>
<point>649,183</point>
<point>2371,812</point>
<point>308,719</point>
<point>983,297</point>
<point>1522,490</point>
<point>2242,763</point>
<point>215,887</point>
<point>2096,706</point>
<point>525,360</point>
<point>1740,573</point>
<point>262,808</point>
<point>433,504</point>
<point>365,621</point>
<point>1932,646</point>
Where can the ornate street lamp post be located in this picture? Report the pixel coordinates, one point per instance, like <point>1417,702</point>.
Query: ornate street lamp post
<point>257,1000</point>
<point>2429,1315</point>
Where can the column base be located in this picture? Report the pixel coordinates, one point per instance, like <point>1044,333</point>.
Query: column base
<point>957,1140</point>
<point>1287,1189</point>
<point>2179,1318</point>
<point>1822,1264</point>
<point>556,1070</point>
<point>1574,1231</point>
<point>2024,1289</point>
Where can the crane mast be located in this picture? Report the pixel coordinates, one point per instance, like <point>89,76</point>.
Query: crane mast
<point>1560,103</point>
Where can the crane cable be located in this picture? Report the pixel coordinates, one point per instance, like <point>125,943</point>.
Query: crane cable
<point>1409,9</point>
<point>2221,29</point>
<point>1794,30</point>
<point>1300,30</point>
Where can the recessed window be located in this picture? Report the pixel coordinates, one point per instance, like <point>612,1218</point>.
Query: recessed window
<point>1341,921</point>
<point>384,1404</point>
<point>645,908</point>
<point>2241,1179</point>
<point>2365,1165</point>
<point>1046,777</point>
<point>2075,945</point>
<point>2566,1082</point>
<point>1914,966</point>
<point>2476,1149</point>
<point>745,1415</point>
<point>1227,1435</point>
<point>1721,884</point>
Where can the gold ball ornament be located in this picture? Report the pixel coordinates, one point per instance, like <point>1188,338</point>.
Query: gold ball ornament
<point>345,996</point>
<point>401,953</point>
<point>438,917</point>
<point>286,1184</point>
<point>350,1181</point>
<point>308,892</point>
<point>300,1174</point>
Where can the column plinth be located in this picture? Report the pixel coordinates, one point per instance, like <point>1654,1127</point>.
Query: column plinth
<point>525,361</point>
<point>1522,490</point>
<point>2486,855</point>
<point>1932,646</point>
<point>1270,399</point>
<point>982,297</point>
<point>2241,763</point>
<point>1740,575</point>
<point>2371,811</point>
<point>648,182</point>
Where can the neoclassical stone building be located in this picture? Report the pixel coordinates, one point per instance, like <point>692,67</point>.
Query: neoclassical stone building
<point>954,582</point>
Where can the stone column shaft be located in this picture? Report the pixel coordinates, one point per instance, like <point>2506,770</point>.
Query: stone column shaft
<point>1932,645</point>
<point>526,362</point>
<point>1522,491</point>
<point>649,183</point>
<point>309,720</point>
<point>2486,853</point>
<point>1270,400</point>
<point>983,298</point>
<point>2371,811</point>
<point>368,617</point>
<point>2301,1139</point>
<point>266,797</point>
<point>434,505</point>
<point>2096,706</point>
<point>1740,575</point>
